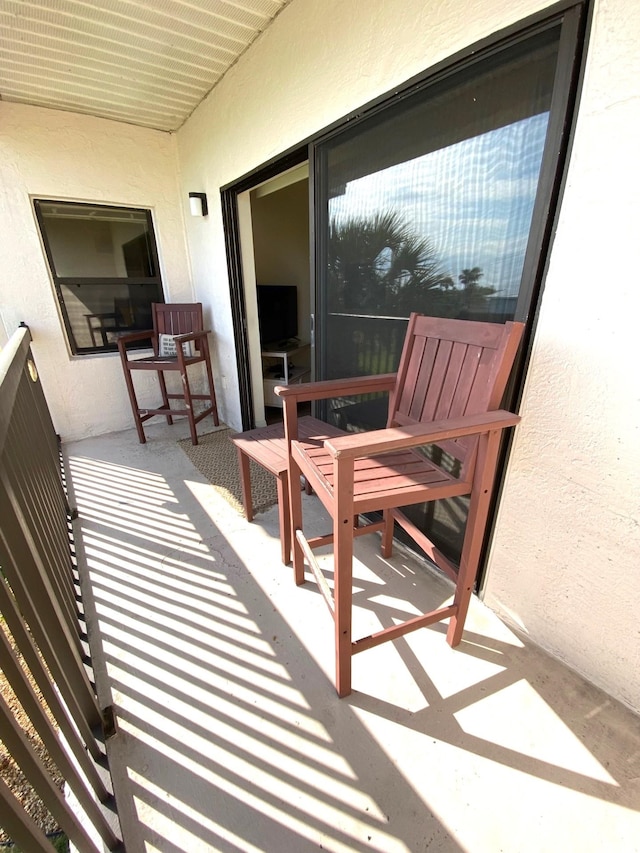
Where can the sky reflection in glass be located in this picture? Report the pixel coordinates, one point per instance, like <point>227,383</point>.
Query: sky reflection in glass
<point>473,200</point>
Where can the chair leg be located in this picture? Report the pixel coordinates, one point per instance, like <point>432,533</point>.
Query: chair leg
<point>343,573</point>
<point>295,520</point>
<point>212,388</point>
<point>283,517</point>
<point>163,392</point>
<point>474,534</point>
<point>186,390</point>
<point>133,400</point>
<point>245,482</point>
<point>386,547</point>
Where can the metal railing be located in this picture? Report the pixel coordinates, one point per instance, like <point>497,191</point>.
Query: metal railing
<point>39,596</point>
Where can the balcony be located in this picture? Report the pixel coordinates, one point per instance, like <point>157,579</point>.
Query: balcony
<point>228,734</point>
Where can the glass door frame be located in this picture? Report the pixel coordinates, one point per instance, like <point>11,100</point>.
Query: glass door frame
<point>574,17</point>
<point>571,18</point>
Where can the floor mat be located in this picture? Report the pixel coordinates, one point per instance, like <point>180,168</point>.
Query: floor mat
<point>216,458</point>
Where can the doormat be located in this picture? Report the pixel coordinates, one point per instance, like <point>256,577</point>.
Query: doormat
<point>216,458</point>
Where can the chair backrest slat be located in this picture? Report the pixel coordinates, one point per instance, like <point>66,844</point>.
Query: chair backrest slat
<point>451,368</point>
<point>177,318</point>
<point>459,372</point>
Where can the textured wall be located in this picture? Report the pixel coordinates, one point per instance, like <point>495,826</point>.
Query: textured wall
<point>564,564</point>
<point>566,555</point>
<point>53,154</point>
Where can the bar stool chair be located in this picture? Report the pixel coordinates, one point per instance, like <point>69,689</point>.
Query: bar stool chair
<point>179,341</point>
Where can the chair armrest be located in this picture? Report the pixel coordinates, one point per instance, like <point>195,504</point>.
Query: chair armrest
<point>305,391</point>
<point>398,438</point>
<point>191,336</point>
<point>109,315</point>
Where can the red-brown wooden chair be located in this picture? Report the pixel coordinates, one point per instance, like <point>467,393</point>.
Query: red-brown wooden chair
<point>179,341</point>
<point>447,392</point>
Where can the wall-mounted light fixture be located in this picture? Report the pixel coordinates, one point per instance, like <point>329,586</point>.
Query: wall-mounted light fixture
<point>198,204</point>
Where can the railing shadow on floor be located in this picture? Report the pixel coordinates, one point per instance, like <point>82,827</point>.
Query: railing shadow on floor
<point>230,735</point>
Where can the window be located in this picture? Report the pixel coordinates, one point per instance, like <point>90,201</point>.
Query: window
<point>104,264</point>
<point>435,202</point>
<point>427,205</point>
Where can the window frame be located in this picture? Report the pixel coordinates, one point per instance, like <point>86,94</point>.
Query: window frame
<point>575,16</point>
<point>573,19</point>
<point>69,281</point>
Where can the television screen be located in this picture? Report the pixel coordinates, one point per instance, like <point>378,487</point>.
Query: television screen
<point>277,312</point>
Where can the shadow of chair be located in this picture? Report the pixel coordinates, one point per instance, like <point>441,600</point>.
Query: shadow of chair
<point>179,341</point>
<point>445,395</point>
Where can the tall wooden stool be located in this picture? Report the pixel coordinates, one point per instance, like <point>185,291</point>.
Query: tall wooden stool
<point>267,447</point>
<point>179,341</point>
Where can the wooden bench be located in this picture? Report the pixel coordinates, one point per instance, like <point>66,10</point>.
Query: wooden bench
<point>267,447</point>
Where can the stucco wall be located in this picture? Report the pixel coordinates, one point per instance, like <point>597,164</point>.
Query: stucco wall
<point>52,154</point>
<point>565,554</point>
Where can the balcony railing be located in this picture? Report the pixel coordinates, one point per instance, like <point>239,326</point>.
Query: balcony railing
<point>39,597</point>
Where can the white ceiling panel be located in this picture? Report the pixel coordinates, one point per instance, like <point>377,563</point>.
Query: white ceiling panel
<point>146,62</point>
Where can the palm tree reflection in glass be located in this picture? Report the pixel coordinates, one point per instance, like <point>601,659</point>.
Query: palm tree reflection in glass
<point>379,267</point>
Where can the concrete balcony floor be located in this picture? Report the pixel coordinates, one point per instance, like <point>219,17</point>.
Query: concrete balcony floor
<point>231,737</point>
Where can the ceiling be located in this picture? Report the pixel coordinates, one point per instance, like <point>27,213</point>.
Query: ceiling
<point>145,62</point>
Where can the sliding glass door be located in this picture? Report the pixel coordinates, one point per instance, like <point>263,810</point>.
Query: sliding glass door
<point>435,203</point>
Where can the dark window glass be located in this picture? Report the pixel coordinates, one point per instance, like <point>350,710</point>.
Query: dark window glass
<point>104,264</point>
<point>427,205</point>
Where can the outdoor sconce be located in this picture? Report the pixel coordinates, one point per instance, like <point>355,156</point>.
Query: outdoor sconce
<point>198,204</point>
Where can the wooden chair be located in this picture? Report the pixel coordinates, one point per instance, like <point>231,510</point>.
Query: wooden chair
<point>446,393</point>
<point>179,341</point>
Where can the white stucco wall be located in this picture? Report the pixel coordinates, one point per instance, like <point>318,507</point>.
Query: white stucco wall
<point>52,154</point>
<point>565,554</point>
